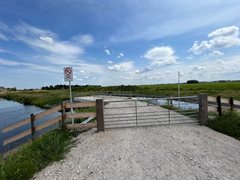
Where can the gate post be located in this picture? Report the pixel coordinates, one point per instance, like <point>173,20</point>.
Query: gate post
<point>219,106</point>
<point>100,114</point>
<point>32,118</point>
<point>203,109</point>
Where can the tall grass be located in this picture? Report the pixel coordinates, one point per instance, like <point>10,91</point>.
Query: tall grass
<point>228,123</point>
<point>34,156</point>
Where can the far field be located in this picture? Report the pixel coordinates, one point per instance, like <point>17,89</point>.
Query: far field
<point>55,94</point>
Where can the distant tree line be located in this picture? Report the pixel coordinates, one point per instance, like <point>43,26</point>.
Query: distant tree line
<point>91,87</point>
<point>192,81</point>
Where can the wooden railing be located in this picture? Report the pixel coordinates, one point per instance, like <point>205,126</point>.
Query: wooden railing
<point>218,104</point>
<point>63,108</point>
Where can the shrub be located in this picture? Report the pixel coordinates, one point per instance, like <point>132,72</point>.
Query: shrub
<point>228,123</point>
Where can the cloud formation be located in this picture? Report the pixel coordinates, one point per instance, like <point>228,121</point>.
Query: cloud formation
<point>46,40</point>
<point>163,55</point>
<point>123,66</point>
<point>85,39</point>
<point>120,55</point>
<point>107,51</point>
<point>221,38</point>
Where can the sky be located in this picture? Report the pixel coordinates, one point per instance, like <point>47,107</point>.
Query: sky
<point>113,42</point>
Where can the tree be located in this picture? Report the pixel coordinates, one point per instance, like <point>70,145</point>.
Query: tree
<point>192,81</point>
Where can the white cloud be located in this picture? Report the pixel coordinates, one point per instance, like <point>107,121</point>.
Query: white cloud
<point>225,31</point>
<point>221,38</point>
<point>123,66</point>
<point>152,22</point>
<point>89,68</point>
<point>110,62</point>
<point>120,55</point>
<point>147,69</point>
<point>8,62</point>
<point>83,39</point>
<point>107,51</point>
<point>163,55</point>
<point>216,53</point>
<point>3,37</point>
<point>198,68</point>
<point>47,39</point>
<point>29,66</point>
<point>5,51</point>
<point>167,72</point>
<point>3,27</point>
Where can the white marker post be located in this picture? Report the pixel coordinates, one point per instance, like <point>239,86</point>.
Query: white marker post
<point>68,76</point>
<point>179,75</point>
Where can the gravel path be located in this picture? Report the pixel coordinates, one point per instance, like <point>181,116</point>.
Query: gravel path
<point>161,152</point>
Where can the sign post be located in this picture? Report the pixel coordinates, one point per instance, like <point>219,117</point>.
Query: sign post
<point>68,76</point>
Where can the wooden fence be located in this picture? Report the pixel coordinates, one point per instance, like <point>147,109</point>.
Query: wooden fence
<point>60,119</point>
<point>218,104</point>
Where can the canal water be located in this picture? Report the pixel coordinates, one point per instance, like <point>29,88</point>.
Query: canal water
<point>12,112</point>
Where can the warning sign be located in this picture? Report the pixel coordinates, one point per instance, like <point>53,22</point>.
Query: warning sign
<point>68,73</point>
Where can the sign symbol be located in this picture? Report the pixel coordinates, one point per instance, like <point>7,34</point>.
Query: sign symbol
<point>68,71</point>
<point>68,74</point>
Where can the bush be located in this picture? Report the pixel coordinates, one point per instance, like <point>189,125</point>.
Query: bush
<point>228,123</point>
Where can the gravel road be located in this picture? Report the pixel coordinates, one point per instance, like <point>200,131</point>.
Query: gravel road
<point>161,152</point>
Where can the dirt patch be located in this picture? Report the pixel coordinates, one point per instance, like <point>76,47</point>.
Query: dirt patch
<point>162,152</point>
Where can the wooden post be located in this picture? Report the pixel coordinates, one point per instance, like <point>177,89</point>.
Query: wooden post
<point>100,114</point>
<point>63,116</point>
<point>32,126</point>
<point>203,109</point>
<point>219,107</point>
<point>231,102</point>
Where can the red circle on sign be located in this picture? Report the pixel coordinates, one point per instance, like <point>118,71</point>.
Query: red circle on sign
<point>68,71</point>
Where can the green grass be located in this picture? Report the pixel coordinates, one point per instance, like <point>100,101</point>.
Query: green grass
<point>33,157</point>
<point>40,98</point>
<point>224,89</point>
<point>228,123</point>
<point>46,98</point>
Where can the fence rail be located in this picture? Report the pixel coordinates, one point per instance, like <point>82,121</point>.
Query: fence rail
<point>141,111</point>
<point>59,119</point>
<point>219,104</point>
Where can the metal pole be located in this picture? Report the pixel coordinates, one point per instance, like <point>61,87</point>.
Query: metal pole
<point>178,90</point>
<point>70,92</point>
<point>169,111</point>
<point>136,111</point>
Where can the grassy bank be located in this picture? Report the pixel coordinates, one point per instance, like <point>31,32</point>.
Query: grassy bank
<point>40,98</point>
<point>46,98</point>
<point>33,157</point>
<point>228,123</point>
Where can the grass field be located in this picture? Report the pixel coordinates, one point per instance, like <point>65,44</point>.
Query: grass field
<point>46,98</point>
<point>224,89</point>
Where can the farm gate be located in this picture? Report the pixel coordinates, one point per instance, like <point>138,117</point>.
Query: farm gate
<point>151,111</point>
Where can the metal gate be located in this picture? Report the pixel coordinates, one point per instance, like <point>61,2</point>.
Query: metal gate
<point>150,111</point>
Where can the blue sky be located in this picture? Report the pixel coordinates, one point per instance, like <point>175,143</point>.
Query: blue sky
<point>118,42</point>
